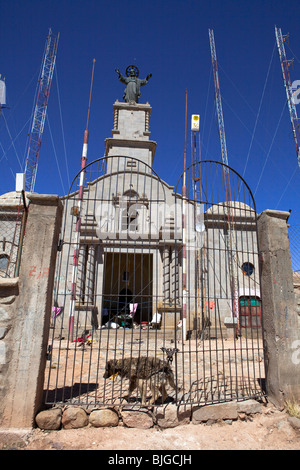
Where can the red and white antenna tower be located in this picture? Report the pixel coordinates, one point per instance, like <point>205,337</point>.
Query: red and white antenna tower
<point>285,64</point>
<point>40,111</point>
<point>231,247</point>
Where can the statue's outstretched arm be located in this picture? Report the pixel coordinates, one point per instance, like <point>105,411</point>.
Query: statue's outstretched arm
<point>121,78</point>
<point>145,80</point>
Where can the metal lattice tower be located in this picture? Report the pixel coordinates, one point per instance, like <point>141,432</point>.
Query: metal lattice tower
<point>220,112</point>
<point>218,97</point>
<point>231,243</point>
<point>280,39</point>
<point>40,110</point>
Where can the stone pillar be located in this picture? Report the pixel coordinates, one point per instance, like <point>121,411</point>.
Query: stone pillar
<point>174,274</point>
<point>26,315</point>
<point>280,323</point>
<point>80,289</point>
<point>116,118</point>
<point>90,275</point>
<point>166,273</point>
<point>147,120</point>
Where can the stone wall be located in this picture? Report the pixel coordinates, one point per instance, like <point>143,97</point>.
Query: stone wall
<point>280,317</point>
<point>25,308</point>
<point>165,416</point>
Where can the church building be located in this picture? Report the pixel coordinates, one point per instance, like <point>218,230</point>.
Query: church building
<point>139,253</point>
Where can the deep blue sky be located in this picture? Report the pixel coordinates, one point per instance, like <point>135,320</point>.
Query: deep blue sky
<point>170,40</point>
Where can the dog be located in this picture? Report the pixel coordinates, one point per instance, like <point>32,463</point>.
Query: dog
<point>141,372</point>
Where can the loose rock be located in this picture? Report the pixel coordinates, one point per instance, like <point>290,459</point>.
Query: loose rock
<point>104,418</point>
<point>49,419</point>
<point>249,407</point>
<point>171,416</point>
<point>294,422</point>
<point>141,419</point>
<point>74,417</point>
<point>219,411</point>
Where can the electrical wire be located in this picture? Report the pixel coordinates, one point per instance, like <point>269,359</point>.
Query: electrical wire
<point>4,154</point>
<point>12,141</point>
<point>62,127</point>
<point>268,154</point>
<point>240,120</point>
<point>206,104</point>
<point>59,172</point>
<point>259,108</point>
<point>287,185</point>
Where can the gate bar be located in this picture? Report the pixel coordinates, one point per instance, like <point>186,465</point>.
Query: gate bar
<point>184,291</point>
<point>78,216</point>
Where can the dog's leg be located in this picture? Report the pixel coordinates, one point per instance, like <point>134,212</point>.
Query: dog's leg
<point>154,387</point>
<point>132,386</point>
<point>154,392</point>
<point>172,383</point>
<point>142,386</point>
<point>163,392</point>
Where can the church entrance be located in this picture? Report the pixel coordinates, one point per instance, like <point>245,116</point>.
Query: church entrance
<point>128,288</point>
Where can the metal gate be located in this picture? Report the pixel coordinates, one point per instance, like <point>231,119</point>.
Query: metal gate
<point>157,289</point>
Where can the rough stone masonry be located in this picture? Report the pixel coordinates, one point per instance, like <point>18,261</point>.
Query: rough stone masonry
<point>25,316</point>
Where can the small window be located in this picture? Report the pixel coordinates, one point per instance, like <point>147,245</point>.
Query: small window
<point>248,269</point>
<point>3,263</point>
<point>250,312</point>
<point>131,164</point>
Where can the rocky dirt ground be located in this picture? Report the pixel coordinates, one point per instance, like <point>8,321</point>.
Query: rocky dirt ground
<point>270,430</point>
